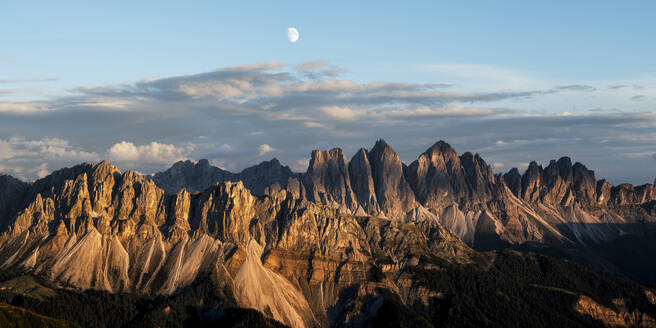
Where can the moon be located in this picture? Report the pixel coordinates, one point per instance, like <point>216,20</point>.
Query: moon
<point>292,34</point>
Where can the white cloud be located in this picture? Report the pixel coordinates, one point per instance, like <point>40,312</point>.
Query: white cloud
<point>29,159</point>
<point>226,148</point>
<point>264,149</point>
<point>428,111</point>
<point>261,66</point>
<point>339,113</point>
<point>312,124</point>
<point>47,148</point>
<point>152,153</point>
<point>41,170</point>
<point>498,165</point>
<point>301,165</point>
<point>23,107</point>
<point>124,151</point>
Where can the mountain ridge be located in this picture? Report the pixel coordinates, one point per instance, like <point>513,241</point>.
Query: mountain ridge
<point>534,206</point>
<point>332,246</point>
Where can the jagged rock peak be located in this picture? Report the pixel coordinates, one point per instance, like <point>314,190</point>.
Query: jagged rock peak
<point>319,156</point>
<point>362,182</point>
<point>270,165</point>
<point>394,194</point>
<point>269,177</point>
<point>440,147</point>
<point>513,179</point>
<point>105,167</point>
<point>193,176</point>
<point>327,179</point>
<point>381,146</point>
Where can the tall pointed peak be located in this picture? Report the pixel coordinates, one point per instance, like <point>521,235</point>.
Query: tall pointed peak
<point>440,146</point>
<point>533,166</point>
<point>381,146</point>
<point>360,154</point>
<point>381,143</point>
<point>441,149</point>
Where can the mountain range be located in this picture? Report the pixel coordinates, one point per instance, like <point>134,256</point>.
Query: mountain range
<point>368,241</point>
<point>556,204</point>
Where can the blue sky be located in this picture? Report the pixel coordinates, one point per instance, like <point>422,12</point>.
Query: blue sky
<point>86,43</point>
<point>577,59</point>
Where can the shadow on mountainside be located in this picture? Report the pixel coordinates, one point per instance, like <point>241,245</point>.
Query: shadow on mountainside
<point>632,253</point>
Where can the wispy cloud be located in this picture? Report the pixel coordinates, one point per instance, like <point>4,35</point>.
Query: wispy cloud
<point>501,77</point>
<point>574,87</point>
<point>28,80</point>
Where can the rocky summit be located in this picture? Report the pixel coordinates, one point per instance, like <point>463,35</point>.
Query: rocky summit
<point>362,242</point>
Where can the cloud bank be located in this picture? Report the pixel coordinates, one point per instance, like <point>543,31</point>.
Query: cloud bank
<point>235,116</point>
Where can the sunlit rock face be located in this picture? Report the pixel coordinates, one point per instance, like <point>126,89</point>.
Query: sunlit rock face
<point>93,227</point>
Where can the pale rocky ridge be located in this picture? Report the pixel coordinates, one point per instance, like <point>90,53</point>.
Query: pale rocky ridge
<point>93,227</point>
